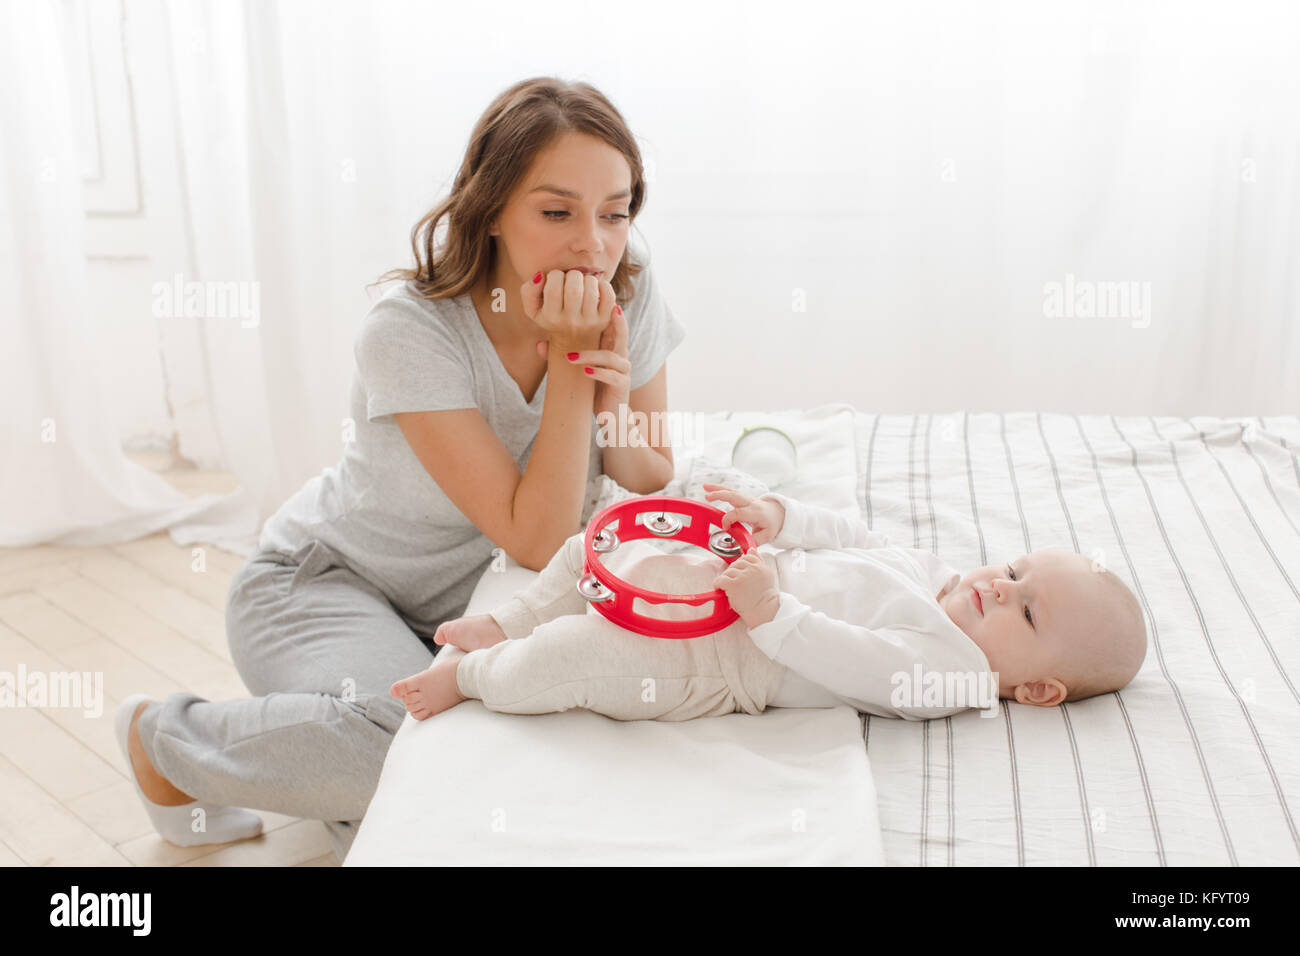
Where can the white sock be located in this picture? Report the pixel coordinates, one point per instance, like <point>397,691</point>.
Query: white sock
<point>188,824</point>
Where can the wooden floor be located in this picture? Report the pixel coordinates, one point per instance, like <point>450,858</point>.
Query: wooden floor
<point>143,615</point>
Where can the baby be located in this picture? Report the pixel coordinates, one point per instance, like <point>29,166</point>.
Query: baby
<point>838,617</point>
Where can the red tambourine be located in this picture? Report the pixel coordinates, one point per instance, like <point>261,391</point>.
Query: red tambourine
<point>659,516</point>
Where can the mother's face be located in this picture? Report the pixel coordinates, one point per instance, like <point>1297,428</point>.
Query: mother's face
<point>569,212</point>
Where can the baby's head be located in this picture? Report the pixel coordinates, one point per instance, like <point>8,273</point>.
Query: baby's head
<point>1053,626</point>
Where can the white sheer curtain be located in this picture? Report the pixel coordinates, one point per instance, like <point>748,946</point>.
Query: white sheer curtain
<point>871,198</point>
<point>63,476</point>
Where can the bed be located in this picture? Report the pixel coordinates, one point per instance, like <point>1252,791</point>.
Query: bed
<point>1196,762</point>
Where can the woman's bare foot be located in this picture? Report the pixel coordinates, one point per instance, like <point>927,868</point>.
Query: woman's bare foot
<point>153,784</point>
<point>470,633</point>
<point>430,692</point>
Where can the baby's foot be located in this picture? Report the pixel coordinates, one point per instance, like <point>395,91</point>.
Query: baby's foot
<point>429,692</point>
<point>470,633</point>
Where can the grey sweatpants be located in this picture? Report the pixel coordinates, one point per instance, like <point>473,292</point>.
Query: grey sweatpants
<point>562,654</point>
<point>318,647</point>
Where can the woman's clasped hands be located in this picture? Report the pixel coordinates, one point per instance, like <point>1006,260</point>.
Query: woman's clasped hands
<point>573,307</point>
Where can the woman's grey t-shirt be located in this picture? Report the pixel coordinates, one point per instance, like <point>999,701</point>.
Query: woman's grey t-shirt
<point>378,507</point>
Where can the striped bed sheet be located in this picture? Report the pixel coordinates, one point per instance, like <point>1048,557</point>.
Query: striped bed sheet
<point>1197,761</point>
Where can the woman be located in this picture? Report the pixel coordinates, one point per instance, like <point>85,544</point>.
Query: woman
<point>476,388</point>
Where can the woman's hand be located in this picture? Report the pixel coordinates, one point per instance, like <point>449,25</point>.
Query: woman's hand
<point>609,365</point>
<point>572,308</point>
<point>764,516</point>
<point>750,586</point>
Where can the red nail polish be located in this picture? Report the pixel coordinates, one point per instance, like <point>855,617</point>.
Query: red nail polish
<point>572,356</point>
<point>618,309</point>
<point>537,278</point>
<point>589,371</point>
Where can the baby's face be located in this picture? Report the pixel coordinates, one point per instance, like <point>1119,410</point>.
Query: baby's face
<point>1023,613</point>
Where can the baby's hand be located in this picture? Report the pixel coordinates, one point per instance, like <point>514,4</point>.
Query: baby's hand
<point>750,586</point>
<point>764,516</point>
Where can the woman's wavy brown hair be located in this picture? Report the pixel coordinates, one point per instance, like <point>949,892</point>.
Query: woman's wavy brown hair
<point>522,121</point>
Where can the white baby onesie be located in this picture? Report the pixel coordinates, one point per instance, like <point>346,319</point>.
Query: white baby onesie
<point>855,612</point>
